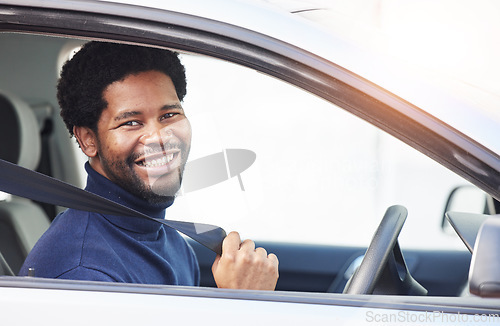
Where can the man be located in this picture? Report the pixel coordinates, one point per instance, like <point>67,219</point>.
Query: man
<point>123,105</point>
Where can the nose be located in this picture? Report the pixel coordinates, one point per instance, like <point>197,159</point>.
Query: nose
<point>156,133</point>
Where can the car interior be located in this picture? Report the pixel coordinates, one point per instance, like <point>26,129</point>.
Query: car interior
<point>33,136</point>
<point>19,235</point>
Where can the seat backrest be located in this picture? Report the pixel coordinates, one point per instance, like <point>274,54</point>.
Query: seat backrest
<point>22,221</point>
<point>4,267</point>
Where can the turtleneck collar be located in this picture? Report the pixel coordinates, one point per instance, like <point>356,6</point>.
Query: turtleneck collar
<point>102,186</point>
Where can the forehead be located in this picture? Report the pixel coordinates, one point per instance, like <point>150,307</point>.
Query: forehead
<point>144,92</point>
<point>139,89</point>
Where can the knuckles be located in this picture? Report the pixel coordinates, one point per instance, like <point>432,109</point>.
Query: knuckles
<point>244,266</point>
<point>245,258</point>
<point>257,260</point>
<point>229,258</point>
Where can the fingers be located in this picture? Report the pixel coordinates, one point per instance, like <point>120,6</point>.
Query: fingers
<point>243,266</point>
<point>247,245</point>
<point>231,243</point>
<point>215,264</point>
<point>274,260</point>
<point>261,252</point>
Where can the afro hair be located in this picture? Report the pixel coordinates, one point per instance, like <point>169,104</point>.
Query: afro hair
<point>99,64</point>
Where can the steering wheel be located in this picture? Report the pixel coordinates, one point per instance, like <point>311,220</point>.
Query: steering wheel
<point>383,265</point>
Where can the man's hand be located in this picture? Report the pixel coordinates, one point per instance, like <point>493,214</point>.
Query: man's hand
<point>241,266</point>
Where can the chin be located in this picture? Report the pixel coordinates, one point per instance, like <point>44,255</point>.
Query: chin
<point>155,199</point>
<point>166,186</point>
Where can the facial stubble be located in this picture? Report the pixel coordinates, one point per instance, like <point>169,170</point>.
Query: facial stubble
<point>123,174</point>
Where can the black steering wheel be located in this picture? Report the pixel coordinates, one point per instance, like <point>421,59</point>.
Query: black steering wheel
<point>383,269</point>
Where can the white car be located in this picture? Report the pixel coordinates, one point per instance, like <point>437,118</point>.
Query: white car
<point>317,136</point>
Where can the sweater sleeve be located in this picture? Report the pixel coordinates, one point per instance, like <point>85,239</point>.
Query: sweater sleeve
<point>195,267</point>
<point>86,274</point>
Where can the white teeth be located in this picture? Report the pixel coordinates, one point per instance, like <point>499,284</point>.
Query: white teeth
<point>159,162</point>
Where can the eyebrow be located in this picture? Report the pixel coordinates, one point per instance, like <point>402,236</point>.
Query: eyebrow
<point>128,114</point>
<point>171,106</point>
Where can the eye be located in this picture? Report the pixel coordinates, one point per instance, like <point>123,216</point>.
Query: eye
<point>168,115</point>
<point>130,123</point>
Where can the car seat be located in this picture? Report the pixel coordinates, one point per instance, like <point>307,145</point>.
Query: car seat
<point>22,221</point>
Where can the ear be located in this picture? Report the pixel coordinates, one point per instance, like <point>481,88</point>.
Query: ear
<point>87,140</point>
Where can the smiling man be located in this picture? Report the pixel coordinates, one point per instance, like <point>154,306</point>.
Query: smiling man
<point>142,139</point>
<point>123,105</point>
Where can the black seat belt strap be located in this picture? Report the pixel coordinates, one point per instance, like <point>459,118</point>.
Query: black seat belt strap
<point>23,182</point>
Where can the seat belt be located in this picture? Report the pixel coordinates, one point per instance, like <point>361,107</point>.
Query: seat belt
<point>22,182</point>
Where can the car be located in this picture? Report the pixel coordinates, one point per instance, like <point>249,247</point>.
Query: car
<point>323,150</point>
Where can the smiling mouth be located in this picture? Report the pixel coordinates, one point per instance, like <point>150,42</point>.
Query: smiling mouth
<point>159,161</point>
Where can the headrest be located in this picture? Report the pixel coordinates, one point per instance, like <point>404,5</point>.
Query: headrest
<point>20,141</point>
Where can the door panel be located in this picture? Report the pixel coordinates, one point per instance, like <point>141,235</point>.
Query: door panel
<point>315,268</point>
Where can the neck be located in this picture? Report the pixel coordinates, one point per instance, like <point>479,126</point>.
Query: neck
<point>102,186</point>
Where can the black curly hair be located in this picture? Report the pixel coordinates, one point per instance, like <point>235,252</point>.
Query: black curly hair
<point>99,64</point>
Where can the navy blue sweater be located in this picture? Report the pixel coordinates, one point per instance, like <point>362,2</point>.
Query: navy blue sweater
<point>82,245</point>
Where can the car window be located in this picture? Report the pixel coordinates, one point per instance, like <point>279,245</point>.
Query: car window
<point>304,170</point>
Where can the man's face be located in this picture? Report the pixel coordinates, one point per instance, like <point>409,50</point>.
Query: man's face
<point>143,137</point>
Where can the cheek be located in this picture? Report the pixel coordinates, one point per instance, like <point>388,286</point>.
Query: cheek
<point>184,132</point>
<point>118,145</point>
